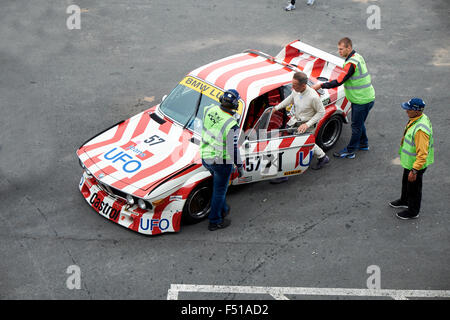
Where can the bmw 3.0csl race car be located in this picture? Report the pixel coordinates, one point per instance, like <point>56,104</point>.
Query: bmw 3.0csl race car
<point>145,173</point>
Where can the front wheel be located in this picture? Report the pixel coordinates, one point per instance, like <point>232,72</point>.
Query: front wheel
<point>329,133</point>
<point>198,204</point>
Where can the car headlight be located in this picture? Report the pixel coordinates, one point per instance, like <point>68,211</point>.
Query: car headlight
<point>84,168</point>
<point>142,204</point>
<point>130,199</point>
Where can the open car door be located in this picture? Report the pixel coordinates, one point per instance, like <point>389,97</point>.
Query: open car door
<point>270,152</point>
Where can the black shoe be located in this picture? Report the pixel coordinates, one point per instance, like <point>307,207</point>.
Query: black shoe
<point>214,226</point>
<point>398,204</point>
<point>406,215</point>
<point>321,162</point>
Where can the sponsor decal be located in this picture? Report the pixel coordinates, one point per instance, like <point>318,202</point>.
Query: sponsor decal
<point>103,207</point>
<point>147,224</point>
<point>301,158</point>
<point>130,164</point>
<point>136,150</point>
<point>207,89</point>
<point>288,173</point>
<point>178,198</point>
<point>244,179</point>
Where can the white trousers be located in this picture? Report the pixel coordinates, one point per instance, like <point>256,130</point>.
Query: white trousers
<point>318,152</point>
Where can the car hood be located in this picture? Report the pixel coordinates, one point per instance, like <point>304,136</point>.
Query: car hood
<point>138,154</point>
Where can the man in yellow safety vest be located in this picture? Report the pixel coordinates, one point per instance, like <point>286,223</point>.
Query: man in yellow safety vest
<point>359,91</point>
<point>416,154</point>
<point>219,151</point>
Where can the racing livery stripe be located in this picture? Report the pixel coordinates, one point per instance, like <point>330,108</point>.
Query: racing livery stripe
<point>235,80</point>
<point>178,174</point>
<point>142,125</point>
<point>213,76</point>
<point>319,64</point>
<point>244,84</point>
<point>305,62</point>
<point>165,127</point>
<point>205,72</point>
<point>304,150</point>
<point>220,82</point>
<point>270,84</point>
<point>286,142</point>
<point>119,132</point>
<point>261,146</point>
<point>91,161</point>
<point>291,54</point>
<point>262,86</point>
<point>168,161</point>
<point>107,171</point>
<point>124,139</point>
<point>346,105</point>
<point>196,71</point>
<point>334,91</point>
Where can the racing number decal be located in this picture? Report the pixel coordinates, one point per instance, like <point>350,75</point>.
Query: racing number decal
<point>151,140</point>
<point>253,163</point>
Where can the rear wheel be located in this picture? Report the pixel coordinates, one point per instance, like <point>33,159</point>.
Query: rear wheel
<point>198,204</point>
<point>329,133</point>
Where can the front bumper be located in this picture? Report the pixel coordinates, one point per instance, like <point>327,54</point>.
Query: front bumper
<point>165,217</point>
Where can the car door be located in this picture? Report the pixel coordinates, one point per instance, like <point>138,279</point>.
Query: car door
<point>273,153</point>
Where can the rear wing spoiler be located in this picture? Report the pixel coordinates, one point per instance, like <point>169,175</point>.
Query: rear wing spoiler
<point>297,48</point>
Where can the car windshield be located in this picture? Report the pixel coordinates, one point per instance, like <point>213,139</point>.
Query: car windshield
<point>180,105</point>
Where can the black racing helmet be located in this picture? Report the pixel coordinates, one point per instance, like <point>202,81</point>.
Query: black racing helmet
<point>230,99</point>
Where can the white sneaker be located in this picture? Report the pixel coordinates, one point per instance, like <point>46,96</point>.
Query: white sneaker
<point>310,2</point>
<point>290,7</point>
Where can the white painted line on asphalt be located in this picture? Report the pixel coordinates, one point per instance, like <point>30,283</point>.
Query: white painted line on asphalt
<point>279,293</point>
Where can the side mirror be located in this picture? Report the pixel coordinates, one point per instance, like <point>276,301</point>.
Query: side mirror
<point>164,97</point>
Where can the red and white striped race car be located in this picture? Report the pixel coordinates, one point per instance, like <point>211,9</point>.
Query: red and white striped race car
<point>145,173</point>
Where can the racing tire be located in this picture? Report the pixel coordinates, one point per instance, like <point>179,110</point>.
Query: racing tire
<point>329,132</point>
<point>198,204</point>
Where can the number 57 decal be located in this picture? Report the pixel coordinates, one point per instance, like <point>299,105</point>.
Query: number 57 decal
<point>155,139</point>
<point>269,163</point>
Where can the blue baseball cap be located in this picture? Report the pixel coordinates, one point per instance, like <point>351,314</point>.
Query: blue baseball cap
<point>415,104</point>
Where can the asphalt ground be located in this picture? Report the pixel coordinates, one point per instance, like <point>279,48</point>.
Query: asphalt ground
<point>59,87</point>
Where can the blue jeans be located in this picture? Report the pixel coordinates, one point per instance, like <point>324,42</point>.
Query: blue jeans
<point>359,135</point>
<point>221,176</point>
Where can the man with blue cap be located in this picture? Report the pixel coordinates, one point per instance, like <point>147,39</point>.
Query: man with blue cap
<point>416,154</point>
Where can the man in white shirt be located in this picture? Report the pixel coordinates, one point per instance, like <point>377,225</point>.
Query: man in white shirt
<point>308,109</point>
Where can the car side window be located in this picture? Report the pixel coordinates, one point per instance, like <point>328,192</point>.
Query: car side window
<point>261,125</point>
<point>287,90</point>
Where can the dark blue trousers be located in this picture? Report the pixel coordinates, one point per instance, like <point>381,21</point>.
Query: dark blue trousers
<point>359,135</point>
<point>221,177</point>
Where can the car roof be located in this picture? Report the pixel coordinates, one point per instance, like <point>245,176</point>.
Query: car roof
<point>251,73</point>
